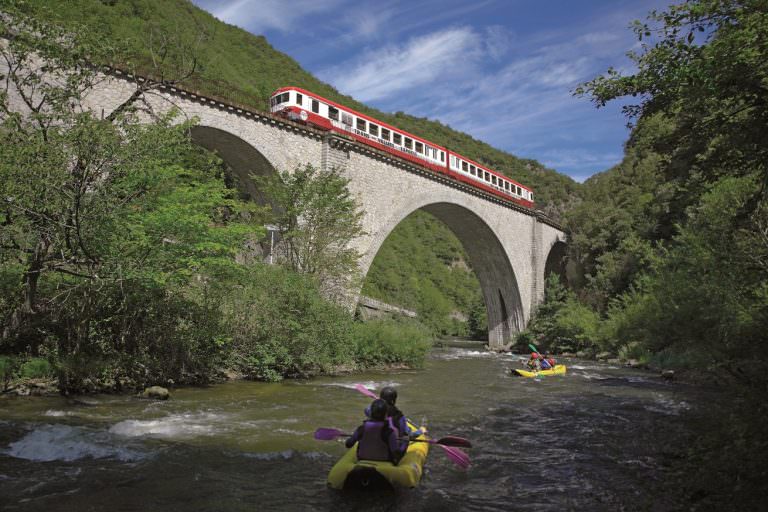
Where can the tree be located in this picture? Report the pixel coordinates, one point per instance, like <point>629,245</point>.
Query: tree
<point>703,67</point>
<point>63,171</point>
<point>317,219</point>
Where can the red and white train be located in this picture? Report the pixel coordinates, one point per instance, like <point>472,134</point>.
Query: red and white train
<point>301,105</point>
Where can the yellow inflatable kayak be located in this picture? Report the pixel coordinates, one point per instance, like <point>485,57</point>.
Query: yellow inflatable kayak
<point>349,472</point>
<point>559,369</point>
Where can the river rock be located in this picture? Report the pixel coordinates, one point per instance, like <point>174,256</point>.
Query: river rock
<point>668,374</point>
<point>156,392</point>
<point>634,363</point>
<point>602,356</point>
<point>613,360</point>
<point>583,354</point>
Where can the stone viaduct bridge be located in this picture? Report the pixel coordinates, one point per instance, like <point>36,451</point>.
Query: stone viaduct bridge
<point>510,248</point>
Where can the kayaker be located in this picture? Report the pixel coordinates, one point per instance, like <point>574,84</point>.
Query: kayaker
<point>389,395</point>
<point>534,363</point>
<point>399,421</point>
<point>545,362</point>
<point>549,359</point>
<point>376,438</point>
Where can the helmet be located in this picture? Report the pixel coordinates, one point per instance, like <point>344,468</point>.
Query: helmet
<point>379,409</point>
<point>534,355</point>
<point>389,395</point>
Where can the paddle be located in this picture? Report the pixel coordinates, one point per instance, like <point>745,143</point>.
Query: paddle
<point>456,456</point>
<point>327,434</point>
<point>367,392</point>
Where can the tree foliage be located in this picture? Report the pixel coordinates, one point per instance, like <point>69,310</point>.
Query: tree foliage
<point>122,256</point>
<point>317,220</point>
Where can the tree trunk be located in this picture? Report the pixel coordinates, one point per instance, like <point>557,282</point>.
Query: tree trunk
<point>31,278</point>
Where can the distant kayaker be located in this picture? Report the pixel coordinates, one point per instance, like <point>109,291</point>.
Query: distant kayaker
<point>534,363</point>
<point>545,362</point>
<point>376,438</point>
<point>549,359</point>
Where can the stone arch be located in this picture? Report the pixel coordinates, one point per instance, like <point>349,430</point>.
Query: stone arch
<point>556,261</point>
<point>241,157</point>
<point>487,255</point>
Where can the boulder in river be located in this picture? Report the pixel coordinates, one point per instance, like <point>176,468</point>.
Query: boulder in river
<point>156,392</point>
<point>602,356</point>
<point>668,374</point>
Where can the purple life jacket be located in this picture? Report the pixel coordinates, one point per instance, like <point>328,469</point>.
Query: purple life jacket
<point>374,441</point>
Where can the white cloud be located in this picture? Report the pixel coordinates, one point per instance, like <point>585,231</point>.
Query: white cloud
<point>497,41</point>
<point>257,16</point>
<point>380,73</point>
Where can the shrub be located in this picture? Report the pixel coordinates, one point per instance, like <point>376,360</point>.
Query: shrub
<point>390,341</point>
<point>8,367</point>
<point>281,326</point>
<point>36,368</point>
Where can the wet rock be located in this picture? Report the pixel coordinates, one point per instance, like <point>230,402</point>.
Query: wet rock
<point>583,354</point>
<point>156,392</point>
<point>602,356</point>
<point>613,360</point>
<point>568,354</point>
<point>668,374</point>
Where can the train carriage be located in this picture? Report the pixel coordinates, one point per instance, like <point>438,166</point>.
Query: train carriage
<point>300,105</point>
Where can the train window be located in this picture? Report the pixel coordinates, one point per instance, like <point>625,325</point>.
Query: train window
<point>385,134</point>
<point>471,169</point>
<point>299,99</point>
<point>333,113</point>
<point>487,176</point>
<point>519,192</point>
<point>408,143</point>
<point>473,172</point>
<point>531,196</point>
<point>315,106</point>
<point>506,185</point>
<point>346,119</point>
<point>493,180</point>
<point>360,124</point>
<point>464,166</point>
<point>419,147</point>
<point>373,129</point>
<point>397,139</point>
<point>442,156</point>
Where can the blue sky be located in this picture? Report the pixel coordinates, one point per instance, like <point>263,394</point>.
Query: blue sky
<point>500,70</point>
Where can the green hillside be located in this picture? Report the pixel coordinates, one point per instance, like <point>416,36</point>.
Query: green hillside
<point>245,68</point>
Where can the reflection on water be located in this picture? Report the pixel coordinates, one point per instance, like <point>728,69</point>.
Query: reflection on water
<point>595,438</point>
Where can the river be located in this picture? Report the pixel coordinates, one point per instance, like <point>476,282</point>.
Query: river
<point>597,438</point>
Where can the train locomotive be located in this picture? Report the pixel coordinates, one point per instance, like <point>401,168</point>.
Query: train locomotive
<point>304,106</point>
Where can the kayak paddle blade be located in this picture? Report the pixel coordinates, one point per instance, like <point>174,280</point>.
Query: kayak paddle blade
<point>367,392</point>
<point>454,441</point>
<point>456,456</point>
<point>328,434</point>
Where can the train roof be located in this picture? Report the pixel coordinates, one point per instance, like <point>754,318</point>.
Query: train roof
<point>359,114</point>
